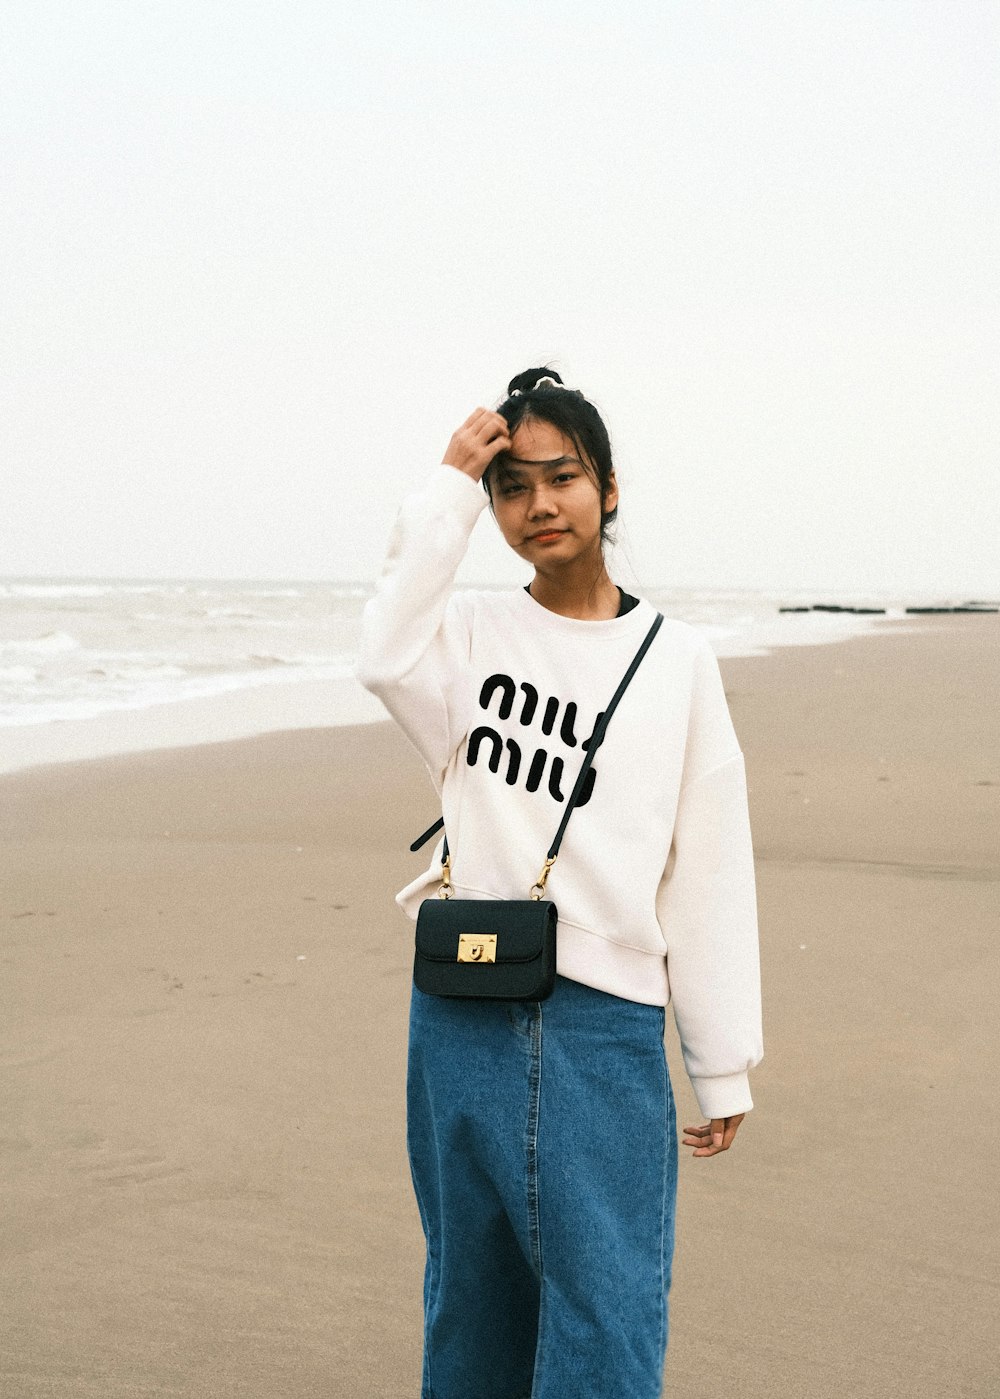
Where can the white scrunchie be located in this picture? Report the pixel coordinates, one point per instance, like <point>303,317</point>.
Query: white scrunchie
<point>545,379</point>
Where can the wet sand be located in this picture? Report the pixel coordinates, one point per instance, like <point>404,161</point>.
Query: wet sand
<point>203,1036</point>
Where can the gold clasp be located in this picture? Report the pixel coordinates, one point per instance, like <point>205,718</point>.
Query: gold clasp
<point>539,883</point>
<point>473,947</point>
<point>446,890</point>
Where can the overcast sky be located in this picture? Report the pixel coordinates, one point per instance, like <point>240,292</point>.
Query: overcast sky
<point>260,259</point>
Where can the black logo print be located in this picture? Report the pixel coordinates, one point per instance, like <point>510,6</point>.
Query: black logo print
<point>540,761</point>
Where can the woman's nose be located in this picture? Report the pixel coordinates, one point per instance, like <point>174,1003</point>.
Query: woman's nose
<point>541,503</point>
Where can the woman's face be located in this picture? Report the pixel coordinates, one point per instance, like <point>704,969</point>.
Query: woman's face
<point>548,506</point>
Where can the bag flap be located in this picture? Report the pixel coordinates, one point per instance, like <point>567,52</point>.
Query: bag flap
<point>519,926</point>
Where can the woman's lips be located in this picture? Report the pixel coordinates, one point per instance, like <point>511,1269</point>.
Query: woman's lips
<point>547,536</point>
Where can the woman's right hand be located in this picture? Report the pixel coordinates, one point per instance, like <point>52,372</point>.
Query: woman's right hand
<point>474,445</point>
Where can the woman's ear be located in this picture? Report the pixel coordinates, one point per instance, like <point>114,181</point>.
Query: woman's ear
<point>610,499</point>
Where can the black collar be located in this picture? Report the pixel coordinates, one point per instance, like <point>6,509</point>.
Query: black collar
<point>626,603</point>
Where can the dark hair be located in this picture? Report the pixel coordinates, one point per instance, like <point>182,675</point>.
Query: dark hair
<point>573,415</point>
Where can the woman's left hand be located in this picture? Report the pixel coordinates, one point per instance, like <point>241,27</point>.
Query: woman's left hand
<point>714,1137</point>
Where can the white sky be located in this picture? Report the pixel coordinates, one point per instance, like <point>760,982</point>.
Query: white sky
<point>260,259</point>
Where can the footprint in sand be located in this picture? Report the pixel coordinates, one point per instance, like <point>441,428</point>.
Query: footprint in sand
<point>131,1166</point>
<point>25,1060</point>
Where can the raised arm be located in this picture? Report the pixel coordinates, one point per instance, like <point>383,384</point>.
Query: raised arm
<point>414,631</point>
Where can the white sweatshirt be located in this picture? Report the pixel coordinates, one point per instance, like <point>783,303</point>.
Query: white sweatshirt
<point>654,882</point>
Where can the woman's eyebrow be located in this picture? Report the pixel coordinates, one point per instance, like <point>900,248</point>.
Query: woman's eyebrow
<point>556,461</point>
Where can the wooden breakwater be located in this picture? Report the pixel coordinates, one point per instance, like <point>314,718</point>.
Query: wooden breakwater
<point>880,611</point>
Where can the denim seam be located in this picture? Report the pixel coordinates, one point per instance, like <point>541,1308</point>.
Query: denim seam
<point>532,1164</point>
<point>434,1270</point>
<point>534,1229</point>
<point>671,1185</point>
<point>663,1213</point>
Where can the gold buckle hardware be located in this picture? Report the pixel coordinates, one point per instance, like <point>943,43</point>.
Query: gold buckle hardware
<point>473,947</point>
<point>539,883</point>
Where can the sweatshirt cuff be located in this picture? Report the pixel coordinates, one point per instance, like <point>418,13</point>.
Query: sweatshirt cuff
<point>723,1096</point>
<point>456,488</point>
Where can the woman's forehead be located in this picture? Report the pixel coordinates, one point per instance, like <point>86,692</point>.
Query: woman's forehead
<point>536,431</point>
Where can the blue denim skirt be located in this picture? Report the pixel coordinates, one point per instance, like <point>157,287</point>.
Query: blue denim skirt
<point>542,1142</point>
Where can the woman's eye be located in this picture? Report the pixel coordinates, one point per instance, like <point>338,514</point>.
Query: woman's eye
<point>510,490</point>
<point>566,476</point>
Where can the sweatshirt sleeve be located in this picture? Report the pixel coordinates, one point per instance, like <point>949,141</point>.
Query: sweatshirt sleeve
<point>707,908</point>
<point>414,647</point>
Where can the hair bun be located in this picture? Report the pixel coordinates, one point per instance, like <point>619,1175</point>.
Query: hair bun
<point>526,381</point>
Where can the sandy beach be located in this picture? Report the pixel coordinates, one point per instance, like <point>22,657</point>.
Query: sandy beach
<point>203,1017</point>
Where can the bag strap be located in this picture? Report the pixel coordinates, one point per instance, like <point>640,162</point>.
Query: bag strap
<point>431,830</point>
<point>597,738</point>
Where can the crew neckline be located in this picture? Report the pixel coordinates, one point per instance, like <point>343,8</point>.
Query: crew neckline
<point>623,598</point>
<point>536,613</point>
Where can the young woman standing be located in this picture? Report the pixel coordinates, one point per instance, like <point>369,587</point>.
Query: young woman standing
<point>542,1134</point>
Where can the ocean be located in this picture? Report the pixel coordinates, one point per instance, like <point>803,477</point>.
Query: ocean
<point>99,665</point>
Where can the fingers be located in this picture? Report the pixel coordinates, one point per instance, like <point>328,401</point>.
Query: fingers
<point>715,1136</point>
<point>484,420</point>
<point>489,425</point>
<point>473,446</point>
<point>484,425</point>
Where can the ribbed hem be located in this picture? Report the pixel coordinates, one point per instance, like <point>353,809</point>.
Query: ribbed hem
<point>608,966</point>
<point>723,1096</point>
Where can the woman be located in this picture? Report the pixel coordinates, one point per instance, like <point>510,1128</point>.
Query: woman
<point>542,1134</point>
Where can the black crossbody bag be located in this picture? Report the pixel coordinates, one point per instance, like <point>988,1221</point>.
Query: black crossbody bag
<point>500,949</point>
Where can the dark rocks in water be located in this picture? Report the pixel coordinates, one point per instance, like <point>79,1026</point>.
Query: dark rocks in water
<point>834,607</point>
<point>973,605</point>
<point>837,607</point>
